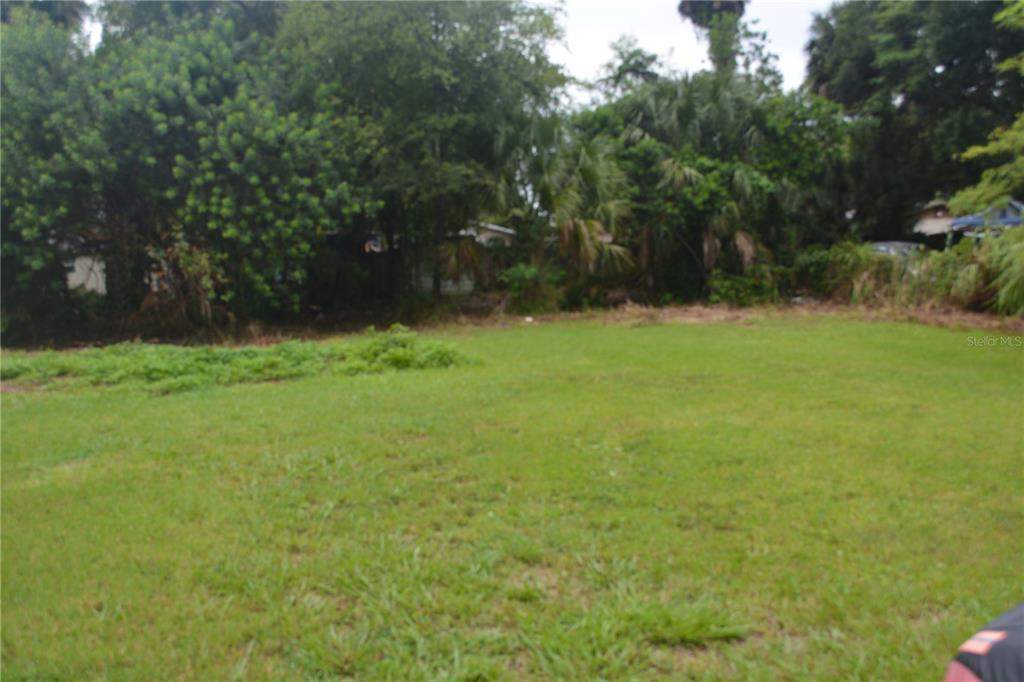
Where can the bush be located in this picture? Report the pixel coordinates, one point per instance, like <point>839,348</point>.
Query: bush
<point>760,286</point>
<point>531,289</point>
<point>400,348</point>
<point>810,270</point>
<point>847,271</point>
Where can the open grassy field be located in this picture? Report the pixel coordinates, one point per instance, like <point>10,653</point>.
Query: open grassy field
<point>777,499</point>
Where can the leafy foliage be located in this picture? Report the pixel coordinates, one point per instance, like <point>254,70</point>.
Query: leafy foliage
<point>443,81</point>
<point>531,288</point>
<point>760,287</point>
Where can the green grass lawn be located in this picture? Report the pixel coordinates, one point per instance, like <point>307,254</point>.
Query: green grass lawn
<point>780,499</point>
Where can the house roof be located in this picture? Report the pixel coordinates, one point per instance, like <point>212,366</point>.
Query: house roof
<point>485,232</point>
<point>992,217</point>
<point>496,228</point>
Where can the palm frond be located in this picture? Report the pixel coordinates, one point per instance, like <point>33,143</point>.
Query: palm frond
<point>677,174</point>
<point>711,247</point>
<point>614,259</point>
<point>746,247</point>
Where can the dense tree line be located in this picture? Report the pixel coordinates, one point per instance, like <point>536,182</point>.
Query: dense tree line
<point>240,160</point>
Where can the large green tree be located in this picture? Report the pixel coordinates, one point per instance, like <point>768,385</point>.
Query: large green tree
<point>1005,146</point>
<point>208,161</point>
<point>173,154</point>
<point>921,82</point>
<point>443,81</point>
<point>45,199</point>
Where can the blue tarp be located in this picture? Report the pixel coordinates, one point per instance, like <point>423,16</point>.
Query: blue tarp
<point>992,217</point>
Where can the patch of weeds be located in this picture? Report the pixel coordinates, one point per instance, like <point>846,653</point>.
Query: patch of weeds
<point>477,669</point>
<point>611,639</point>
<point>683,624</point>
<point>604,574</point>
<point>400,348</point>
<point>166,369</point>
<point>179,384</point>
<point>523,549</point>
<point>338,652</point>
<point>526,594</point>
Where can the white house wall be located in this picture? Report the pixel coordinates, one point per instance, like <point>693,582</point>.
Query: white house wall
<point>88,273</point>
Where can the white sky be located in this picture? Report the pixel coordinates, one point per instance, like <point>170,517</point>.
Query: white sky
<point>592,25</point>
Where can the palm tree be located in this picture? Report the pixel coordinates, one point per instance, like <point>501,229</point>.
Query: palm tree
<point>587,206</point>
<point>569,193</point>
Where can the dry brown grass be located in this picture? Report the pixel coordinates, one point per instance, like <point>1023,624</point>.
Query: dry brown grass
<point>633,314</point>
<point>630,314</point>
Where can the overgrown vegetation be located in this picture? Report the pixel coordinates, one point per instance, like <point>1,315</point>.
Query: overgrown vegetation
<point>238,161</point>
<point>169,369</point>
<point>982,276</point>
<point>531,289</point>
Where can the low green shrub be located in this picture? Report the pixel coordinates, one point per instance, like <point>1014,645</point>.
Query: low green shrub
<point>401,348</point>
<point>846,271</point>
<point>762,285</point>
<point>170,369</point>
<point>532,289</point>
<point>810,270</point>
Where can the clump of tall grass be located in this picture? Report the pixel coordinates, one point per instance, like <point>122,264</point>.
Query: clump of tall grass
<point>1007,254</point>
<point>169,369</point>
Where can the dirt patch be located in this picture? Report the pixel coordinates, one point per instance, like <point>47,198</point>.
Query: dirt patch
<point>690,314</point>
<point>630,314</point>
<point>13,388</point>
<point>949,317</point>
<point>691,662</point>
<point>543,578</point>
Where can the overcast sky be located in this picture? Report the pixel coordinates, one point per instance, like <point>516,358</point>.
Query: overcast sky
<point>592,25</point>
